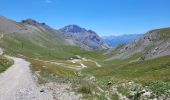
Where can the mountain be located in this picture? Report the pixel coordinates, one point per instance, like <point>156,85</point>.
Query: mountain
<point>60,66</point>
<point>87,39</point>
<point>122,39</point>
<point>34,39</point>
<point>153,44</point>
<point>30,27</point>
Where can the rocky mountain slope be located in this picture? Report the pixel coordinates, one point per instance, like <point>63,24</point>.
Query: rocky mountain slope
<point>155,43</point>
<point>122,39</point>
<point>87,39</point>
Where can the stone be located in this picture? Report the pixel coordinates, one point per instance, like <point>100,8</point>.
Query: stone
<point>109,83</point>
<point>42,90</point>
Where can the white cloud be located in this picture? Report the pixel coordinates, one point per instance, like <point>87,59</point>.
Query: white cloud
<point>48,1</point>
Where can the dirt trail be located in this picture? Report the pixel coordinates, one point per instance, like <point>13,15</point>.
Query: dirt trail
<point>17,83</point>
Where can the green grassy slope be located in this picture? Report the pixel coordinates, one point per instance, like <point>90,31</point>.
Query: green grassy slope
<point>155,69</point>
<point>39,45</point>
<point>152,73</point>
<point>4,63</point>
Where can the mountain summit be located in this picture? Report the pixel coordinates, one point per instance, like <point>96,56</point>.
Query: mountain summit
<point>32,22</point>
<point>86,39</point>
<point>73,28</point>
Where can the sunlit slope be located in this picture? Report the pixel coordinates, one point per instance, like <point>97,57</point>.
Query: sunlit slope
<point>153,44</point>
<point>37,40</point>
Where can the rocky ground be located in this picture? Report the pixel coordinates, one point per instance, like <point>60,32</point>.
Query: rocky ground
<point>61,91</point>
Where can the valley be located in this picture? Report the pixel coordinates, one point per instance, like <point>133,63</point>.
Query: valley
<point>54,69</point>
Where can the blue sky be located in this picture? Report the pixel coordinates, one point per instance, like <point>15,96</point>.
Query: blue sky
<point>106,17</point>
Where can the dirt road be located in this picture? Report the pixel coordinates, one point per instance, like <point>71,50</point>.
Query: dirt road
<point>17,83</point>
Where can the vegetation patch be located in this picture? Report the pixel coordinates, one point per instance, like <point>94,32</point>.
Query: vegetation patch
<point>4,63</point>
<point>159,88</point>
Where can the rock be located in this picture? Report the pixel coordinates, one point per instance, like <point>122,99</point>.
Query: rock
<point>78,57</point>
<point>146,94</point>
<point>109,83</point>
<point>143,91</point>
<point>33,97</point>
<point>42,90</point>
<point>43,24</point>
<point>114,89</point>
<point>132,94</point>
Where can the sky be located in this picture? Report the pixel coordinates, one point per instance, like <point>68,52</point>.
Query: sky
<point>106,17</point>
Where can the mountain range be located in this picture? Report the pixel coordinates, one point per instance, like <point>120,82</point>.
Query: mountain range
<point>34,35</point>
<point>153,44</point>
<point>77,59</point>
<point>113,41</point>
<point>37,35</point>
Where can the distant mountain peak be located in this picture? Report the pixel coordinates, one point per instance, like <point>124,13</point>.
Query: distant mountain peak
<point>32,22</point>
<point>73,28</point>
<point>2,17</point>
<point>29,21</point>
<point>83,37</point>
<point>91,31</point>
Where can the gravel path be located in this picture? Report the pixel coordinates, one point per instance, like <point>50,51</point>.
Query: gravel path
<point>17,83</point>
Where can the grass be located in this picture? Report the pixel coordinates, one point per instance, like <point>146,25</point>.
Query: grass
<point>52,71</point>
<point>155,69</point>
<point>159,87</point>
<point>4,63</point>
<point>115,70</point>
<point>153,73</point>
<point>123,90</point>
<point>84,89</point>
<point>16,44</point>
<point>115,97</point>
<point>114,51</point>
<point>44,47</point>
